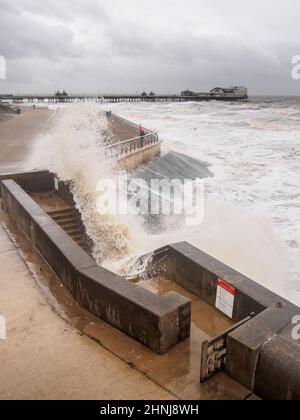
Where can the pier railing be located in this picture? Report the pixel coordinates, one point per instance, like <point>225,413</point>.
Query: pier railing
<point>129,146</point>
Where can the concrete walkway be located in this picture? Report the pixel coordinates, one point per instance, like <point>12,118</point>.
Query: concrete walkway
<point>17,135</point>
<point>45,358</point>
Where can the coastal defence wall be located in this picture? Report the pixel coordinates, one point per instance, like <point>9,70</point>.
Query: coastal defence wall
<point>263,354</point>
<point>32,182</point>
<point>133,160</point>
<point>157,322</point>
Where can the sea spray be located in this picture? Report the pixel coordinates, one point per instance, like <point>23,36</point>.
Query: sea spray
<point>74,150</point>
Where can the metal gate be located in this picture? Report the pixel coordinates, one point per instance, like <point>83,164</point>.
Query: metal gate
<point>213,355</point>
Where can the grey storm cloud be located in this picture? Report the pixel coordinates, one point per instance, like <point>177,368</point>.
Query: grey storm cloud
<point>117,45</point>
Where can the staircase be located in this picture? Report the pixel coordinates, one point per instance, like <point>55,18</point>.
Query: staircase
<point>70,221</point>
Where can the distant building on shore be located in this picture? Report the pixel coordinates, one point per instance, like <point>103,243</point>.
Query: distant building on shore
<point>235,90</point>
<point>188,93</point>
<point>219,92</point>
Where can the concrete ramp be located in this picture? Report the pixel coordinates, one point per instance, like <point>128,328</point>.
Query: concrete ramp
<point>174,166</point>
<point>8,109</point>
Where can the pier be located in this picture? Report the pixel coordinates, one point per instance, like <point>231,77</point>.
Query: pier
<point>115,98</point>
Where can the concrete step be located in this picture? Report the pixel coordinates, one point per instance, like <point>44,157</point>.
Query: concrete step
<point>69,220</point>
<point>83,244</point>
<point>65,218</point>
<point>77,236</point>
<point>74,231</point>
<point>54,213</point>
<point>69,224</point>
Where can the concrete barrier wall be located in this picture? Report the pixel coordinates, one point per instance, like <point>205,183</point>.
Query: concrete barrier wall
<point>245,344</point>
<point>261,354</point>
<point>278,370</point>
<point>33,182</point>
<point>133,160</point>
<point>198,272</point>
<point>157,322</point>
<point>64,191</point>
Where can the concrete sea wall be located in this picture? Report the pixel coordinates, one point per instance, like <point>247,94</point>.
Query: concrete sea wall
<point>133,160</point>
<point>263,354</point>
<point>157,322</point>
<point>32,182</point>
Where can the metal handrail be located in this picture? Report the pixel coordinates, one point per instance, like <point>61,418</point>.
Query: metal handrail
<point>130,140</point>
<point>128,146</point>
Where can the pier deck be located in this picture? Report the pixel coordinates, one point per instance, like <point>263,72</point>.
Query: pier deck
<point>123,98</point>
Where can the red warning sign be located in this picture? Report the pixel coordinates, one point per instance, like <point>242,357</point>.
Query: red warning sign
<point>225,298</point>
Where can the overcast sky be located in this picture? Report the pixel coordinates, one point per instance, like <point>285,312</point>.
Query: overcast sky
<point>161,45</point>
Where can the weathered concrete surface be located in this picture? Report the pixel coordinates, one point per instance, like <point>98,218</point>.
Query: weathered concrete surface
<point>198,272</point>
<point>279,360</point>
<point>176,372</point>
<point>49,201</point>
<point>17,137</point>
<point>133,160</point>
<point>245,343</point>
<point>44,357</point>
<point>206,320</point>
<point>32,181</point>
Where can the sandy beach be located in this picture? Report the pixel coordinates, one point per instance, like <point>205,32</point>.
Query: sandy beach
<point>17,133</point>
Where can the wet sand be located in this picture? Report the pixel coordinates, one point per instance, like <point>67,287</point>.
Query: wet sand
<point>17,135</point>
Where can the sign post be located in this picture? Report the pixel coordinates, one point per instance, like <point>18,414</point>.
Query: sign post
<point>225,298</point>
